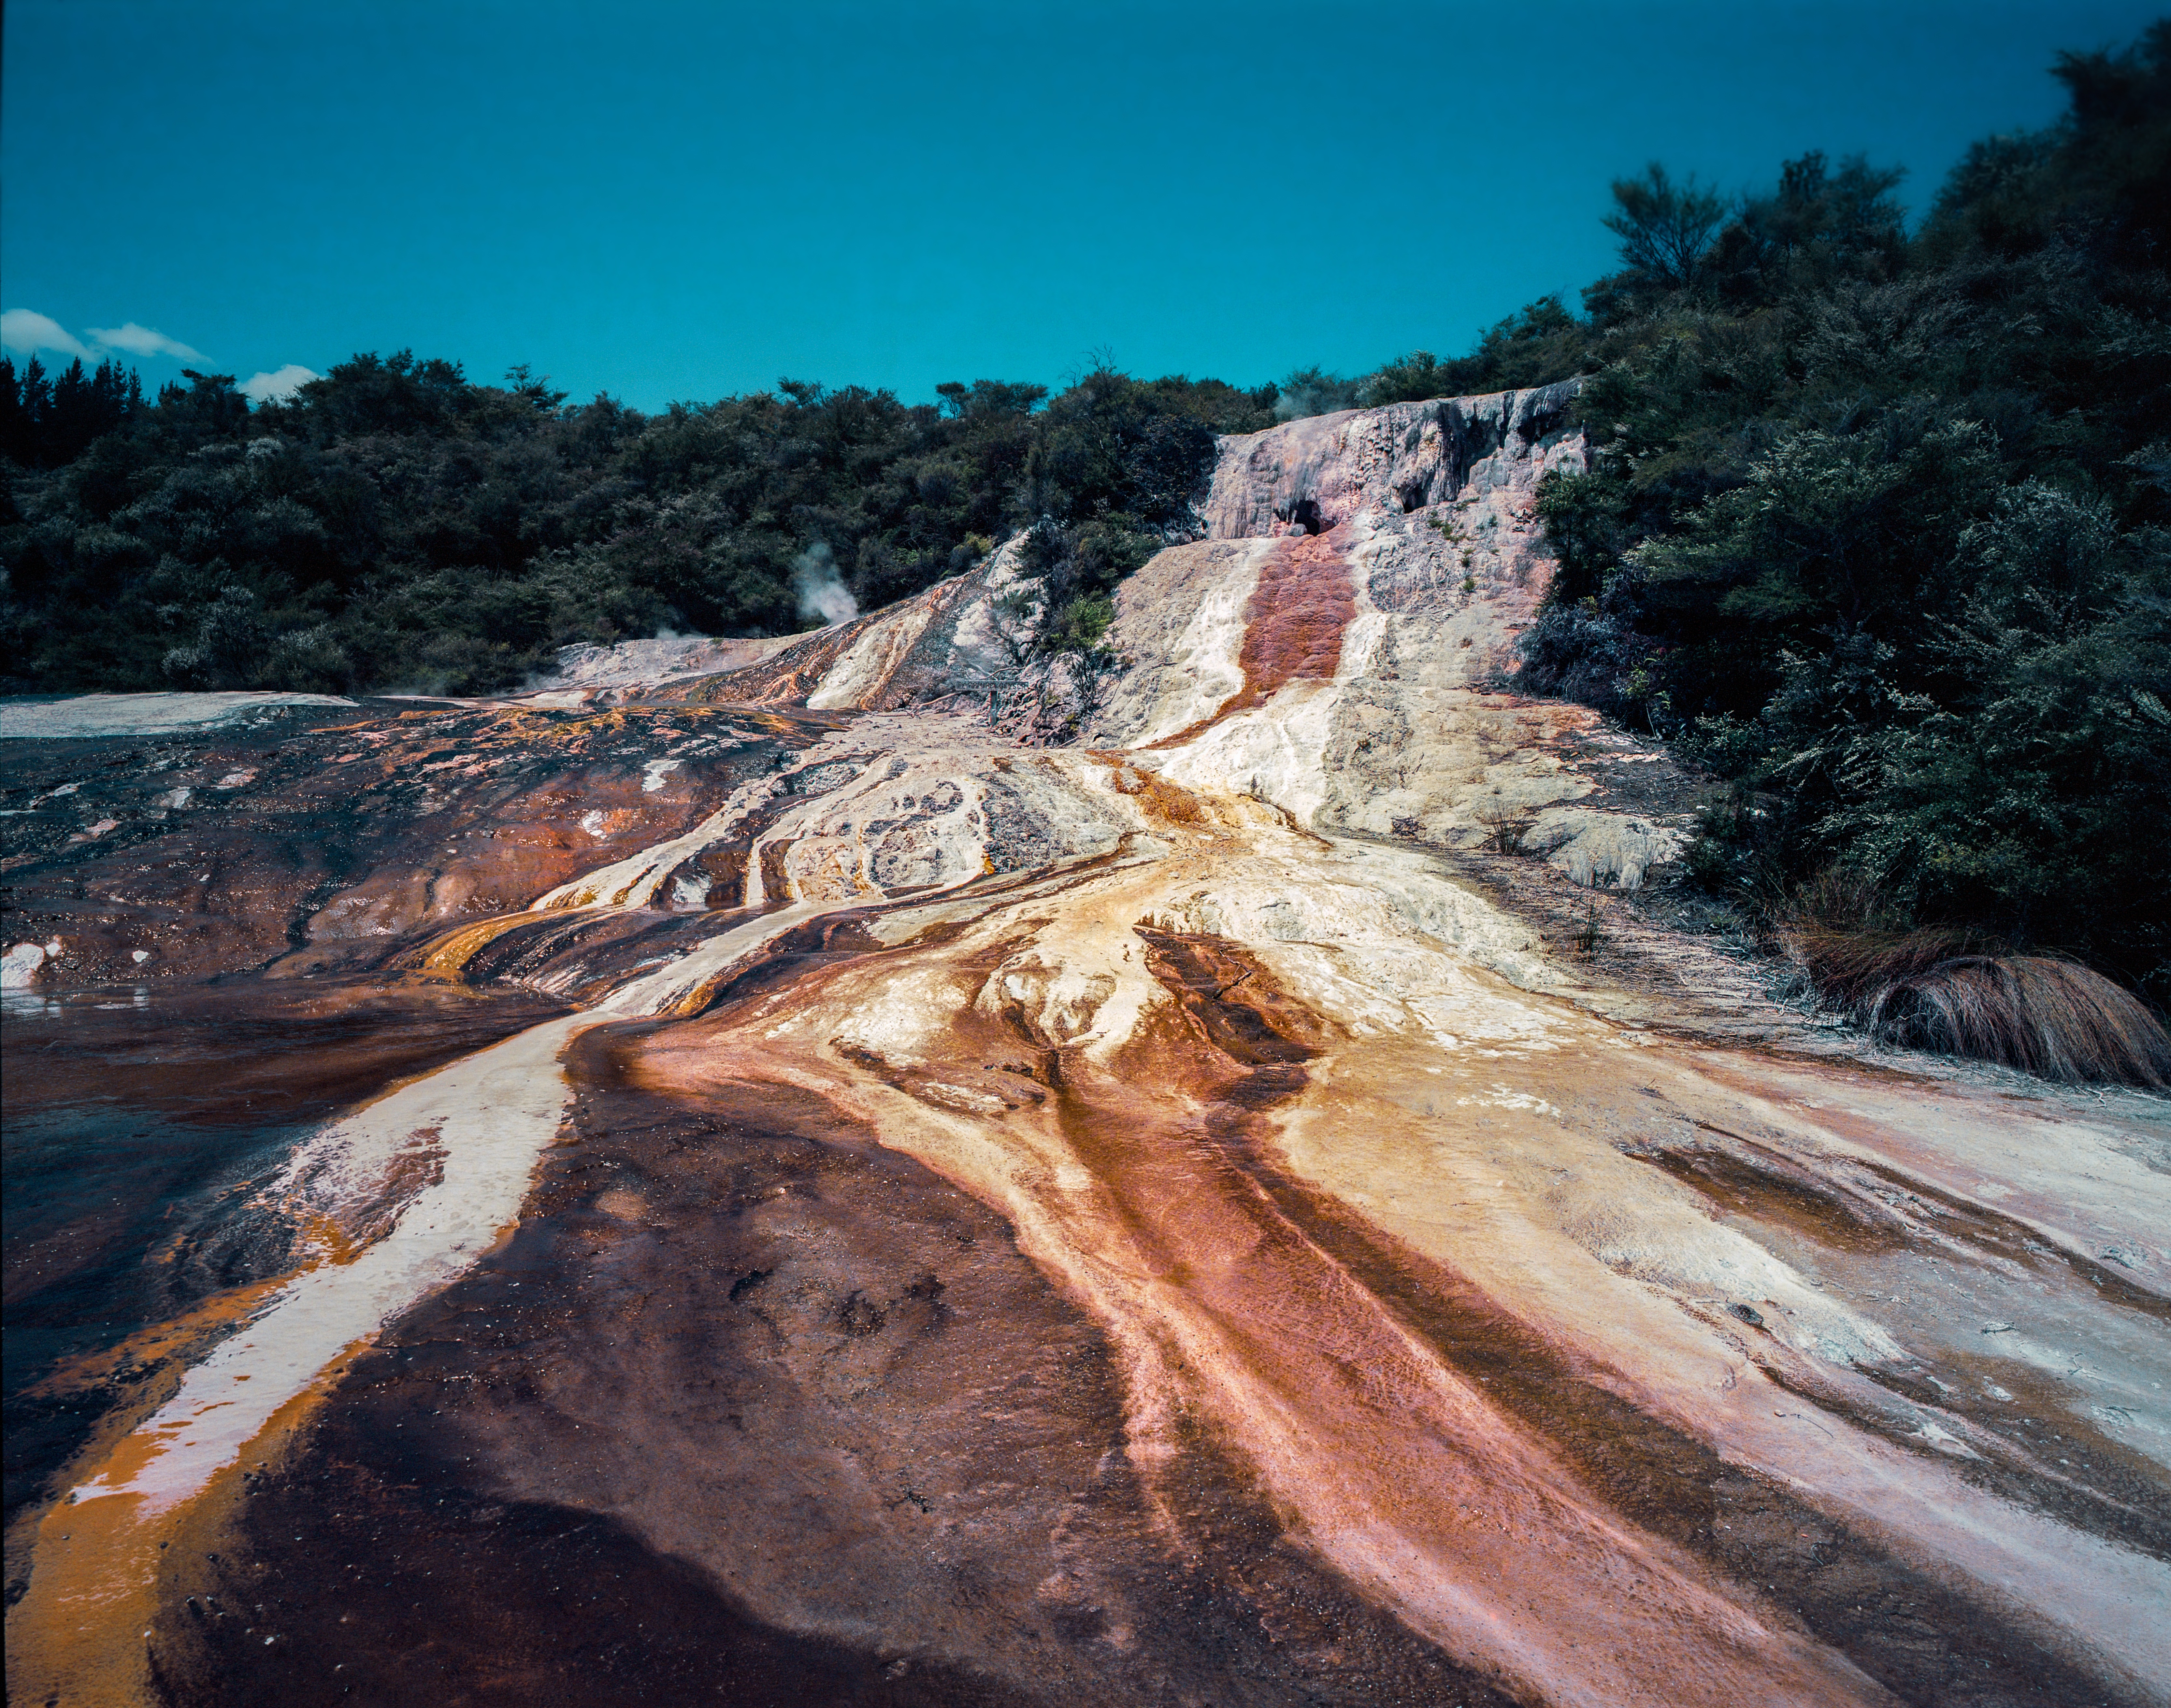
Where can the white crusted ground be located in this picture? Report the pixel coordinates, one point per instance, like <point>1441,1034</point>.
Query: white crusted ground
<point>93,715</point>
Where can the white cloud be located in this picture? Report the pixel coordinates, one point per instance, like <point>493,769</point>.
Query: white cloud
<point>260,387</point>
<point>26,329</point>
<point>143,341</point>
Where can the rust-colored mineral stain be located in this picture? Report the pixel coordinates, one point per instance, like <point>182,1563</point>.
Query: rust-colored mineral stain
<point>391,834</point>
<point>154,1350</point>
<point>891,1427</point>
<point>448,956</point>
<point>1294,620</point>
<point>880,1336</point>
<point>1311,1349</point>
<point>105,1568</point>
<point>1292,625</point>
<point>1166,802</point>
<point>1468,1524</point>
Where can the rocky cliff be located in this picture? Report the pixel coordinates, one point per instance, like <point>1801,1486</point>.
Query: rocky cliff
<point>1340,642</point>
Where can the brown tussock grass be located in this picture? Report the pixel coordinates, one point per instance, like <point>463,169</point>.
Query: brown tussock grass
<point>1941,989</point>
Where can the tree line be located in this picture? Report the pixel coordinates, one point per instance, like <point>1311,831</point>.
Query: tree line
<point>1877,526</point>
<point>48,420</point>
<point>396,524</point>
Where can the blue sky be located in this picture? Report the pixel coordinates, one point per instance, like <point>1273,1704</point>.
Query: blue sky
<point>678,201</point>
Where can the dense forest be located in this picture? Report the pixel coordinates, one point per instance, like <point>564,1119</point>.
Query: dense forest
<point>397,525</point>
<point>1877,529</point>
<point>1877,526</point>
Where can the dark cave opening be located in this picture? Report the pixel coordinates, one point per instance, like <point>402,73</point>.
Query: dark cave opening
<point>1305,514</point>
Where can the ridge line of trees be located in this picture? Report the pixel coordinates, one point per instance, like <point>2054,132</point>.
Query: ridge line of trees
<point>396,524</point>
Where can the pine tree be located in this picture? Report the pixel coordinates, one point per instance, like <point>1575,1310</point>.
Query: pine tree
<point>15,423</point>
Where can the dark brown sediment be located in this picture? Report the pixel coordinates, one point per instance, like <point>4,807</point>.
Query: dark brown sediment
<point>446,1596</point>
<point>1753,1183</point>
<point>796,954</point>
<point>582,955</point>
<point>742,1335</point>
<point>349,836</point>
<point>740,1357</point>
<point>1317,1349</point>
<point>1083,1235</point>
<point>252,1049</point>
<point>188,1104</point>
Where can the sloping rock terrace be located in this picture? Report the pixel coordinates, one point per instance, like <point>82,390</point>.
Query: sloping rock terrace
<point>1119,1219</point>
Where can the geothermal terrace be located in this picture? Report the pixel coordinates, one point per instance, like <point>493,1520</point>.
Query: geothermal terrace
<point>878,1168</point>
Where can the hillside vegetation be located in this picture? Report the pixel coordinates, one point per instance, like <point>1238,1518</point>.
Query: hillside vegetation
<point>397,525</point>
<point>1876,526</point>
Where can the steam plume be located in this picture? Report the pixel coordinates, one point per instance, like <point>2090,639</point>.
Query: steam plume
<point>821,590</point>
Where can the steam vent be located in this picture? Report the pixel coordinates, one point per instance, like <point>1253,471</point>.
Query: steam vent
<point>879,1168</point>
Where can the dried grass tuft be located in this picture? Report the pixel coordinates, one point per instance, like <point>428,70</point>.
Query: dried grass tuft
<point>1941,990</point>
<point>1505,827</point>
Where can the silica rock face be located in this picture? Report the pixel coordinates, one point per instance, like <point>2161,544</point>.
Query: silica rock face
<point>1341,643</point>
<point>1349,659</point>
<point>1327,470</point>
<point>948,1175</point>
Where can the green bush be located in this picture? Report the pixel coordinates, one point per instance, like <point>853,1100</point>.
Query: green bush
<point>1874,526</point>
